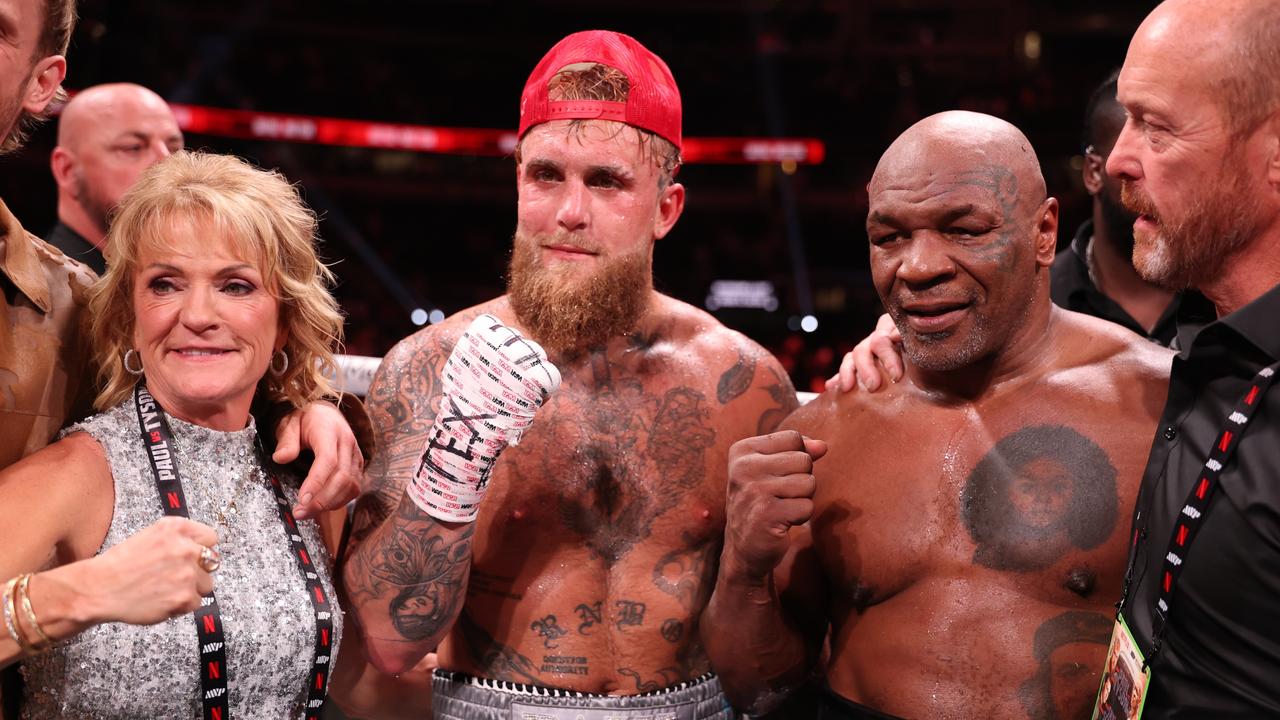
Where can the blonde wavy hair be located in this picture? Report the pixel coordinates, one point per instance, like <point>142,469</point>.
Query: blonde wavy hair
<point>264,218</point>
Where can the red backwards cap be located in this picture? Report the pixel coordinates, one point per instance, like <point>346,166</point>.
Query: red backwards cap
<point>653,102</point>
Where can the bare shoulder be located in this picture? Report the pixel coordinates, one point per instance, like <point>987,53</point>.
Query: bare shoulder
<point>409,373</point>
<point>75,463</point>
<point>747,376</point>
<point>1110,352</point>
<point>62,493</point>
<point>834,412</point>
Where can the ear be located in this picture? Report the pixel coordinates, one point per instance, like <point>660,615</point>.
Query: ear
<point>670,205</point>
<point>1046,232</point>
<point>282,330</point>
<point>44,83</point>
<point>1273,151</point>
<point>62,163</point>
<point>1095,167</point>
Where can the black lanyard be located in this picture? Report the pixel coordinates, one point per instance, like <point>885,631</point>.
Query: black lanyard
<point>161,455</point>
<point>1195,508</point>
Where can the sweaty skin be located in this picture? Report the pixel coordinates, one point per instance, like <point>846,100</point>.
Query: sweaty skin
<point>597,542</point>
<point>967,537</point>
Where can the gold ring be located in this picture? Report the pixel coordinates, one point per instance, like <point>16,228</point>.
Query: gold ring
<point>209,560</point>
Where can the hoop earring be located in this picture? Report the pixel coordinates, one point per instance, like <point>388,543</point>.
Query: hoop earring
<point>128,369</point>
<point>283,366</point>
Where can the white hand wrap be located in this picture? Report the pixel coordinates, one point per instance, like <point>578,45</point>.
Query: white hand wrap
<point>494,382</point>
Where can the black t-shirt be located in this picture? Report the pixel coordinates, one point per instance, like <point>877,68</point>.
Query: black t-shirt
<point>1221,653</point>
<point>74,246</point>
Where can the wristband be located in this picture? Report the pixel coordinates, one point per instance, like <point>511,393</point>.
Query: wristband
<point>494,382</point>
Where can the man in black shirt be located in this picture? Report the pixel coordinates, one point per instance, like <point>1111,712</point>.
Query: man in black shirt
<point>1095,274</point>
<point>107,135</point>
<point>1199,159</point>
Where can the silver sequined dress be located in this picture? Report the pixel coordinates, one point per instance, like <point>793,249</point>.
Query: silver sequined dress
<point>128,671</point>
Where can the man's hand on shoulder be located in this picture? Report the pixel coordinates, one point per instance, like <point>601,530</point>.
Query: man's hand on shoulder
<point>334,477</point>
<point>878,357</point>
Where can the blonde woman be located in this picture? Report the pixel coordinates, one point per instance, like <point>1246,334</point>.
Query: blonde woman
<point>156,568</point>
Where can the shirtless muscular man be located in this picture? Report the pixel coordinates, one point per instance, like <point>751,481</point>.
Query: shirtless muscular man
<point>965,535</point>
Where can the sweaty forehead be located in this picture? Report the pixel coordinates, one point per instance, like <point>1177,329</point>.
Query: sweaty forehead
<point>960,152</point>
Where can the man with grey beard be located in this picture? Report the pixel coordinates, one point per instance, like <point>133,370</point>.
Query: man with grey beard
<point>594,552</point>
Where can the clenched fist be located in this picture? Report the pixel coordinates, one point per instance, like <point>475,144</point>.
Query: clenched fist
<point>771,488</point>
<point>150,577</point>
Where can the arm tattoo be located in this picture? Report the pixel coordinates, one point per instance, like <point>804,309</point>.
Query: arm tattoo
<point>737,379</point>
<point>405,569</point>
<point>496,660</point>
<point>418,571</point>
<point>783,394</point>
<point>1038,494</point>
<point>1069,649</point>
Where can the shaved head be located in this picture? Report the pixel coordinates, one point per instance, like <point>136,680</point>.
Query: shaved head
<point>1227,46</point>
<point>962,236</point>
<point>105,104</point>
<point>962,139</point>
<point>108,135</point>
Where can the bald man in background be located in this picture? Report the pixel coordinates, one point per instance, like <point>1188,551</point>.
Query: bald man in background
<point>107,135</point>
<point>975,575</point>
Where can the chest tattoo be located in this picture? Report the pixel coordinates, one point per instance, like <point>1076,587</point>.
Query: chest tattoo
<point>619,456</point>
<point>1040,493</point>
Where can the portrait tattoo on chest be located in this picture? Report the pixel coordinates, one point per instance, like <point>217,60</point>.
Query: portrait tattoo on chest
<point>1069,649</point>
<point>1039,494</point>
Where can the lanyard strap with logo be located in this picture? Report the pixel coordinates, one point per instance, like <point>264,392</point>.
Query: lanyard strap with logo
<point>158,440</point>
<point>1198,500</point>
<point>1127,673</point>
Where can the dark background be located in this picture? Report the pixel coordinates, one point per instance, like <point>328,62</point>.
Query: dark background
<point>854,74</point>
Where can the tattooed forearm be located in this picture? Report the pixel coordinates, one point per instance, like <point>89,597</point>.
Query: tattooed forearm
<point>417,571</point>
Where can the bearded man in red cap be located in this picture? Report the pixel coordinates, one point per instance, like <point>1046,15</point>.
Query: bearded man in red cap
<point>579,584</point>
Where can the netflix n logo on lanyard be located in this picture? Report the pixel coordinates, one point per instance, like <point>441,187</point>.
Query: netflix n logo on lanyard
<point>1197,504</point>
<point>319,602</point>
<point>158,440</point>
